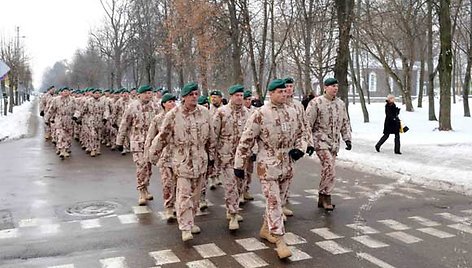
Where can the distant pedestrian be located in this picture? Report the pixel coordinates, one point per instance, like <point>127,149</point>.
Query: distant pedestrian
<point>391,124</point>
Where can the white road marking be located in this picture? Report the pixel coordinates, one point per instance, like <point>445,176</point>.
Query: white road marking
<point>436,232</point>
<point>49,228</point>
<point>411,190</point>
<point>39,203</point>
<point>363,188</point>
<point>90,224</point>
<point>118,262</point>
<point>293,195</point>
<point>326,233</point>
<point>293,239</point>
<point>9,233</point>
<point>201,213</point>
<point>62,266</point>
<point>259,203</point>
<point>209,250</point>
<point>141,210</point>
<point>404,237</point>
<point>128,218</point>
<point>461,227</point>
<point>424,221</point>
<point>454,218</point>
<point>311,191</point>
<point>250,260</point>
<point>201,264</point>
<point>369,242</point>
<point>402,195</point>
<point>332,247</point>
<point>343,196</point>
<point>374,260</point>
<point>395,225</point>
<point>298,255</point>
<point>28,222</point>
<point>362,228</point>
<point>251,244</point>
<point>293,202</point>
<point>164,257</point>
<point>312,196</point>
<point>469,211</point>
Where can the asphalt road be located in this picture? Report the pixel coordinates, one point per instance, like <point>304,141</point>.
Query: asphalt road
<point>82,212</point>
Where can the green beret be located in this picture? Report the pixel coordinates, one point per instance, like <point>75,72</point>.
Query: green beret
<point>202,100</point>
<point>330,81</point>
<point>276,83</point>
<point>164,91</point>
<point>167,97</point>
<point>288,80</point>
<point>216,93</point>
<point>235,89</point>
<point>65,88</point>
<point>144,88</point>
<point>247,94</point>
<point>96,90</point>
<point>133,89</point>
<point>189,87</point>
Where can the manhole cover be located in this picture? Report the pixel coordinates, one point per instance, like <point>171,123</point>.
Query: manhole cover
<point>93,208</point>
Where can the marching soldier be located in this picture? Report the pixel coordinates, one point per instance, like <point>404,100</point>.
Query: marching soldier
<point>187,130</point>
<point>229,123</point>
<point>136,120</point>
<point>277,129</point>
<point>328,120</point>
<point>245,194</point>
<point>163,159</point>
<point>43,107</point>
<point>216,101</point>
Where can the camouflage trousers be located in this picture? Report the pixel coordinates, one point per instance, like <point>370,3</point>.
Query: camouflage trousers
<point>328,173</point>
<point>47,131</point>
<point>249,169</point>
<point>143,170</point>
<point>187,200</point>
<point>64,137</point>
<point>95,137</point>
<point>168,186</point>
<point>273,190</point>
<point>232,189</point>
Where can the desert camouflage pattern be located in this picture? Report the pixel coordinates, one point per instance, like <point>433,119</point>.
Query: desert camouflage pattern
<point>60,110</point>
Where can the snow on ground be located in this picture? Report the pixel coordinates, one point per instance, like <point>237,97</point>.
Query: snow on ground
<point>15,125</point>
<point>437,159</point>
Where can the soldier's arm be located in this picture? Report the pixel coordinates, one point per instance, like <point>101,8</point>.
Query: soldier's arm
<point>246,143</point>
<point>163,137</point>
<point>217,119</point>
<point>211,145</point>
<point>152,132</point>
<point>311,116</point>
<point>50,111</point>
<point>346,125</point>
<point>126,121</point>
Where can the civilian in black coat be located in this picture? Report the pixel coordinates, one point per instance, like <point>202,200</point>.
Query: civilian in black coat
<point>391,125</point>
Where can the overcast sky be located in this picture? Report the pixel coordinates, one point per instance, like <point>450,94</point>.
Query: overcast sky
<point>53,29</point>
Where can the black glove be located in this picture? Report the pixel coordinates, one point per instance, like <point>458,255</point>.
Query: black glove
<point>119,148</point>
<point>211,162</point>
<point>115,126</point>
<point>239,173</point>
<point>46,123</point>
<point>295,154</point>
<point>253,157</point>
<point>310,150</point>
<point>104,120</point>
<point>41,113</point>
<point>405,129</point>
<point>74,118</point>
<point>51,121</point>
<point>348,145</point>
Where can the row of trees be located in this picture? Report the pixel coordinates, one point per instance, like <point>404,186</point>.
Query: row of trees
<point>222,42</point>
<point>17,87</point>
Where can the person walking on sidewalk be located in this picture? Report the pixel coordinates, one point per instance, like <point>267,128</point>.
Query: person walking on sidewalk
<point>391,124</point>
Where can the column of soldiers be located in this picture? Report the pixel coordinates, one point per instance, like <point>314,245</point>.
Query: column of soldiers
<point>200,140</point>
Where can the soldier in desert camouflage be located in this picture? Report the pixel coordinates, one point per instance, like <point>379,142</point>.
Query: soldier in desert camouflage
<point>43,106</point>
<point>229,123</point>
<point>216,101</point>
<point>136,120</point>
<point>163,159</point>
<point>187,130</point>
<point>245,184</point>
<point>277,129</point>
<point>120,108</point>
<point>328,121</point>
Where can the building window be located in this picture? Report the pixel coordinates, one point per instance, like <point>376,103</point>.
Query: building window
<point>372,82</point>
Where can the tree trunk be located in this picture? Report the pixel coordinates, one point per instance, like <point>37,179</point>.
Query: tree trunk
<point>421,90</point>
<point>252,55</point>
<point>344,10</point>
<point>307,36</point>
<point>11,94</point>
<point>168,59</point>
<point>445,65</point>
<point>357,84</point>
<point>466,86</point>
<point>431,112</point>
<point>260,83</point>
<point>235,43</point>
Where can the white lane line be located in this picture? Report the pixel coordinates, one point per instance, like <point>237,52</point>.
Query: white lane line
<point>293,195</point>
<point>404,237</point>
<point>201,264</point>
<point>250,260</point>
<point>9,233</point>
<point>312,196</point>
<point>90,224</point>
<point>141,210</point>
<point>454,218</point>
<point>436,232</point>
<point>402,195</point>
<point>164,257</point>
<point>343,196</point>
<point>258,203</point>
<point>411,190</point>
<point>468,211</point>
<point>326,233</point>
<point>62,266</point>
<point>251,244</point>
<point>311,191</point>
<point>209,250</point>
<point>362,228</point>
<point>461,227</point>
<point>28,222</point>
<point>118,262</point>
<point>128,218</point>
<point>374,260</point>
<point>424,221</point>
<point>293,239</point>
<point>298,255</point>
<point>49,228</point>
<point>395,225</point>
<point>332,247</point>
<point>293,202</point>
<point>369,242</point>
<point>363,188</point>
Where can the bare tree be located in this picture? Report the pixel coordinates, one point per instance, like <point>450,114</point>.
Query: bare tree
<point>445,64</point>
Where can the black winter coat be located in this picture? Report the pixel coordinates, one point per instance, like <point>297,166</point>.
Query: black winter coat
<point>392,122</point>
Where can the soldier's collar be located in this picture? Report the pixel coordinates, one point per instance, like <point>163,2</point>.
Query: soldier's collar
<point>329,97</point>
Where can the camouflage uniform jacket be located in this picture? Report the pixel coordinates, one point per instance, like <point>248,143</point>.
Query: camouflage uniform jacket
<point>136,120</point>
<point>276,129</point>
<point>162,159</point>
<point>93,111</point>
<point>44,102</point>
<point>307,137</point>
<point>327,119</point>
<point>228,123</point>
<point>190,136</point>
<point>61,110</point>
<point>120,108</point>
